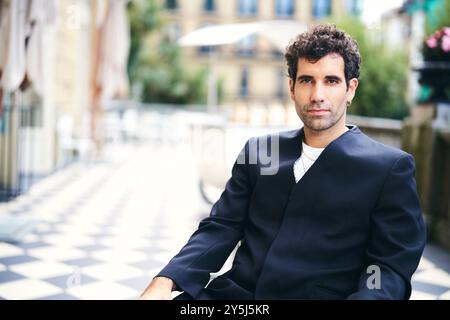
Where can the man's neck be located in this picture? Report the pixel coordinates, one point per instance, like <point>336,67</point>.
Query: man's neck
<point>320,139</point>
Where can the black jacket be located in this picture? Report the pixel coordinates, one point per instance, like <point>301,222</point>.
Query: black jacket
<point>356,207</point>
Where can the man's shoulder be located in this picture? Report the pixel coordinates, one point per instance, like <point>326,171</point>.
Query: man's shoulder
<point>368,148</point>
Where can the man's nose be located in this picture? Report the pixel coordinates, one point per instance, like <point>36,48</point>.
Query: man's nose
<point>318,94</point>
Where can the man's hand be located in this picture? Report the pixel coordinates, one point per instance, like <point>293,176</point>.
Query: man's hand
<point>159,289</point>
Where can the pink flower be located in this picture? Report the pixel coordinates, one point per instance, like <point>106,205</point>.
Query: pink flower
<point>446,43</point>
<point>438,33</point>
<point>432,42</point>
<point>447,31</point>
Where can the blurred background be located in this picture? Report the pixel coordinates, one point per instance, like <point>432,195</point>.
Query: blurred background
<point>120,121</point>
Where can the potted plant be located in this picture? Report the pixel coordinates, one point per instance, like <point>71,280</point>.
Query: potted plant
<point>435,72</point>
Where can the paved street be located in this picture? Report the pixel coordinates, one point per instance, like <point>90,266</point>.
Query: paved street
<point>106,228</point>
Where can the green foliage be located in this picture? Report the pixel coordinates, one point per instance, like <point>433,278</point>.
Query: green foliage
<point>163,79</point>
<point>439,16</point>
<point>155,67</point>
<point>144,18</point>
<point>383,78</point>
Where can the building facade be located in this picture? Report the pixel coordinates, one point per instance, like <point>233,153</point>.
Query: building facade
<point>251,71</point>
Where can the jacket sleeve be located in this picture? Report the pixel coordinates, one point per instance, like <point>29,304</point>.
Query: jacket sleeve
<point>217,235</point>
<point>397,237</point>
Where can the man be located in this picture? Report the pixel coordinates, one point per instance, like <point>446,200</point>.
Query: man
<point>339,219</point>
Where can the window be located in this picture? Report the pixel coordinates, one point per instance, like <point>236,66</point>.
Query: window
<point>284,8</point>
<point>209,5</point>
<point>173,31</point>
<point>247,7</point>
<point>321,8</point>
<point>171,4</point>
<point>353,7</point>
<point>246,47</point>
<point>31,117</point>
<point>281,83</point>
<point>206,49</point>
<point>243,90</point>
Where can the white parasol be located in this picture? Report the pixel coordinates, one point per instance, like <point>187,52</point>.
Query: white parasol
<point>278,32</point>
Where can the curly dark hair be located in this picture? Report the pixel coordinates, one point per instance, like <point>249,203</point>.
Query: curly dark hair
<point>320,41</point>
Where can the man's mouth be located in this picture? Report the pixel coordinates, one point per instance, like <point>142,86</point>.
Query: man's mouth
<point>318,112</point>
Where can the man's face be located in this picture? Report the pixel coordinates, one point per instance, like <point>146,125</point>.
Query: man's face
<point>320,93</point>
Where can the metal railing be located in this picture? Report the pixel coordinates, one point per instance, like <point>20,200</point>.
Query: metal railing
<point>16,153</point>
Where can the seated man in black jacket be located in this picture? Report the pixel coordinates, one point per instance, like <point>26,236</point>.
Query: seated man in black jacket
<point>338,218</point>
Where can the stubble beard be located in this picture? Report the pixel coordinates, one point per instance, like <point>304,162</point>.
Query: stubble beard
<point>316,123</point>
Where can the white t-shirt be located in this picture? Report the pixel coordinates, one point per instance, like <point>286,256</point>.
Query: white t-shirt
<point>306,160</point>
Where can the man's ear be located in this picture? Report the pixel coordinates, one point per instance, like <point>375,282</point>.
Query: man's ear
<point>352,85</point>
<point>291,88</point>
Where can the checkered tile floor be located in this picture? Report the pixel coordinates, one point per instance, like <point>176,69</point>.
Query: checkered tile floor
<point>105,229</point>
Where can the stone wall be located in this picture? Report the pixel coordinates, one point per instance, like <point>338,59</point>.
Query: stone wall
<point>426,135</point>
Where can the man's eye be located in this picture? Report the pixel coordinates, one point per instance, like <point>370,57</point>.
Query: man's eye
<point>305,80</point>
<point>332,81</point>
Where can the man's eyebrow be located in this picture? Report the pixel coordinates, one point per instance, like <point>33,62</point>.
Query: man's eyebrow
<point>304,76</point>
<point>333,77</point>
